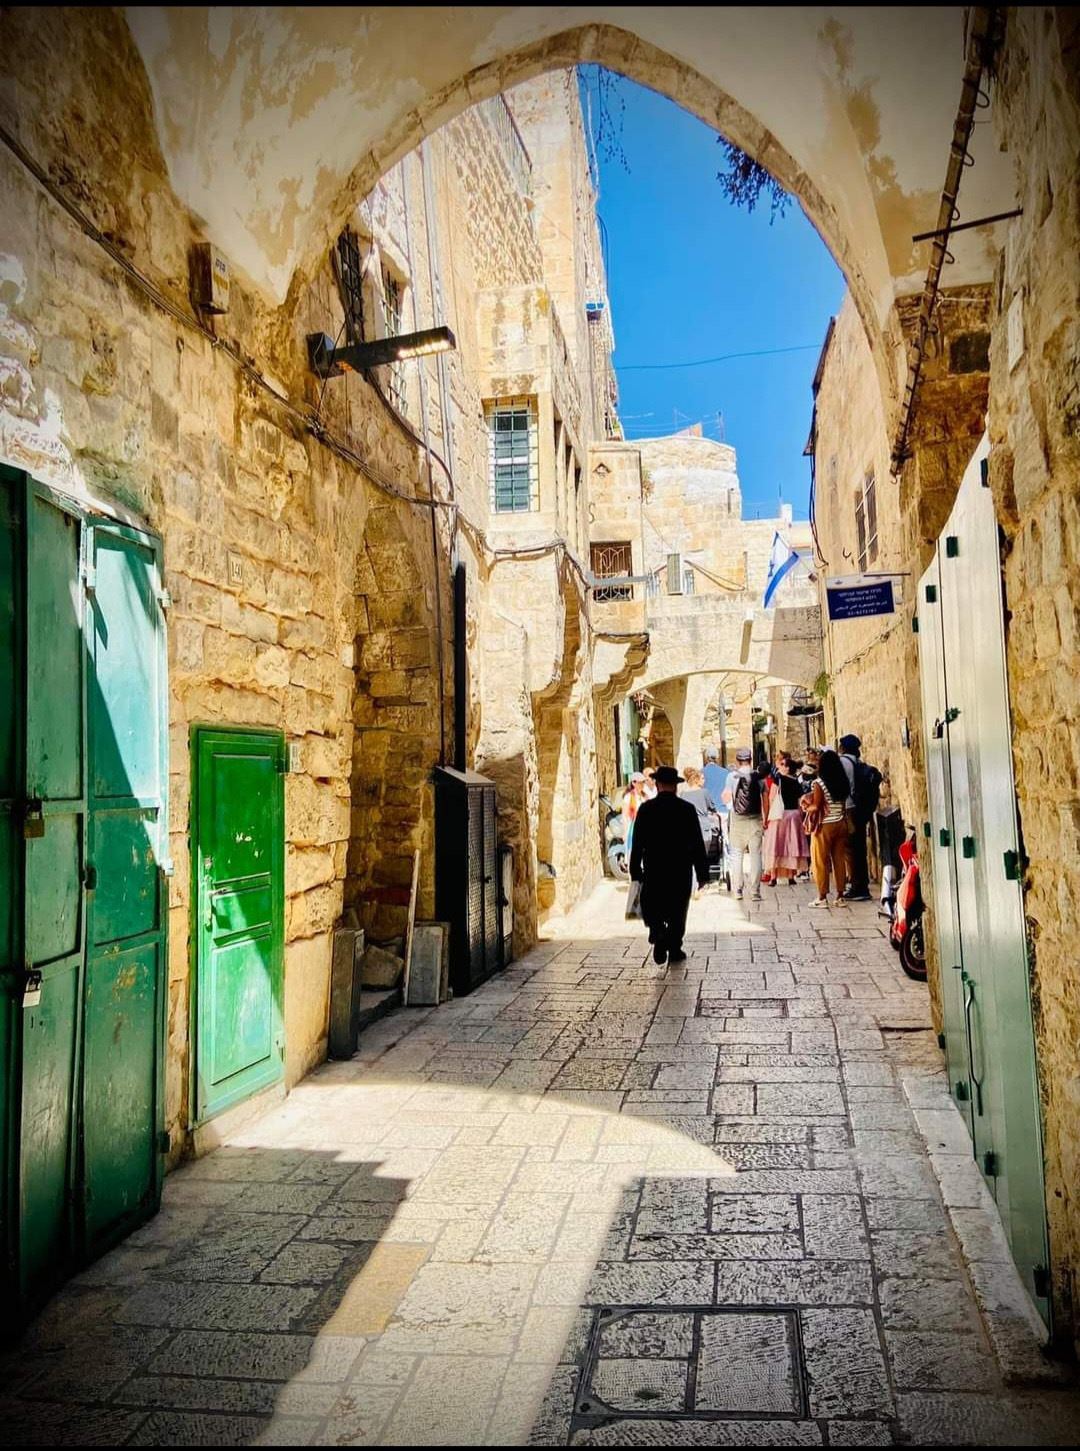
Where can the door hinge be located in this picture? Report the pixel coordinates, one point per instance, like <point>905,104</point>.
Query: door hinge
<point>990,1164</point>
<point>952,546</point>
<point>951,714</point>
<point>941,1040</point>
<point>967,846</point>
<point>927,830</point>
<point>1040,1280</point>
<point>914,624</point>
<point>89,877</point>
<point>961,1091</point>
<point>164,599</point>
<point>944,836</point>
<point>931,594</point>
<point>984,472</point>
<point>164,1141</point>
<point>1012,866</point>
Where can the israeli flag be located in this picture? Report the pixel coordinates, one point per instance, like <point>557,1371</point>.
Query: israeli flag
<point>782,561</point>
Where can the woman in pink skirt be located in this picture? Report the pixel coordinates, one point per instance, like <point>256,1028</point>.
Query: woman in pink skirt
<point>786,850</point>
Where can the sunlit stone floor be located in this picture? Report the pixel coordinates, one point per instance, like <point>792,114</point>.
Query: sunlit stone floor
<point>595,1202</point>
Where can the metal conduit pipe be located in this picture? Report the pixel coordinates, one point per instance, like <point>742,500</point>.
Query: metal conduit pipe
<point>983,38</point>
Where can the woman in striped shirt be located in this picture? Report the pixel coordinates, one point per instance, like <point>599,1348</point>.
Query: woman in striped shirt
<point>824,808</point>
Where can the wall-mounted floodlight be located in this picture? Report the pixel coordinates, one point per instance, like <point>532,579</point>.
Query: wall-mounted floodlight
<point>328,362</point>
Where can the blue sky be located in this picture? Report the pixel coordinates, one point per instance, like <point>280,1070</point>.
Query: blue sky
<point>691,276</point>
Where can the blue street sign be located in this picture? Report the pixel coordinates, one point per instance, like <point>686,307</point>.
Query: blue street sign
<point>852,598</point>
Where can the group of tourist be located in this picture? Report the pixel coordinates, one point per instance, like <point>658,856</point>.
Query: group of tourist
<point>794,818</point>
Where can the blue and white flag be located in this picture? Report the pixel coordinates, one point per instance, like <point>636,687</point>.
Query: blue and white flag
<point>782,561</point>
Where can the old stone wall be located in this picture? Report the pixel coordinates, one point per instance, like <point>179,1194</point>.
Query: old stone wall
<point>872,663</point>
<point>1034,421</point>
<point>308,541</point>
<point>1026,386</point>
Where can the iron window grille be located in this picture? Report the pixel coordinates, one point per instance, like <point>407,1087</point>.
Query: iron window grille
<point>610,561</point>
<point>514,455</point>
<point>392,297</point>
<point>866,528</point>
<point>870,498</point>
<point>349,271</point>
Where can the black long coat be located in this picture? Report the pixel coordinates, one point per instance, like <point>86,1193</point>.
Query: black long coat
<point>668,848</point>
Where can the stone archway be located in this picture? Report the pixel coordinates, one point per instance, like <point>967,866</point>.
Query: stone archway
<point>342,94</point>
<point>395,717</point>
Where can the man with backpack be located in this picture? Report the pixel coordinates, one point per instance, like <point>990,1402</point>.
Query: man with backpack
<point>865,783</point>
<point>746,828</point>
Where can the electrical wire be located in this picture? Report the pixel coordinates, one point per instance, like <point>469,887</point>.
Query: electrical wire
<point>722,358</point>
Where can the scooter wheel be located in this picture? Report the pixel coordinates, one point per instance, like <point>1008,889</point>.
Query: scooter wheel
<point>913,953</point>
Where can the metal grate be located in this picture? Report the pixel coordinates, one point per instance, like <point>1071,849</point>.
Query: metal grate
<point>514,455</point>
<point>476,887</point>
<point>350,280</point>
<point>392,297</point>
<point>610,561</point>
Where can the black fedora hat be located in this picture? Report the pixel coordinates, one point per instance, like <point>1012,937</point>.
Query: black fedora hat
<point>667,776</point>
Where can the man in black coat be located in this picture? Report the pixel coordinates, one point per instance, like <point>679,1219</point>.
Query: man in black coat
<point>668,850</point>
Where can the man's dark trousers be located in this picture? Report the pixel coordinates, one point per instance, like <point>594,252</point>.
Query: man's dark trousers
<point>664,905</point>
<point>859,870</point>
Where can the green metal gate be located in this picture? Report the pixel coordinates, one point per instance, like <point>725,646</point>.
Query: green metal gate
<point>82,928</point>
<point>978,911</point>
<point>238,905</point>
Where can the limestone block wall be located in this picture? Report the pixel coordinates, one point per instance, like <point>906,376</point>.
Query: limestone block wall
<point>1034,420</point>
<point>872,664</point>
<point>116,400</point>
<point>310,586</point>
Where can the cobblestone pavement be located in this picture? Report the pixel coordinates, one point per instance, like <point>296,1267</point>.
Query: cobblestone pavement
<point>595,1202</point>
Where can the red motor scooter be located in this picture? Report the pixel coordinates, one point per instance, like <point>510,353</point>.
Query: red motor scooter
<point>906,931</point>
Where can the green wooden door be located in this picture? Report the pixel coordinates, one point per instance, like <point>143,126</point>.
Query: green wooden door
<point>126,847</point>
<point>54,904</point>
<point>238,859</point>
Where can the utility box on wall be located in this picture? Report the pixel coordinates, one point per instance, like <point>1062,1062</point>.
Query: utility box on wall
<point>467,886</point>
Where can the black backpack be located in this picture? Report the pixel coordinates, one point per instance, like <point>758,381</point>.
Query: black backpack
<point>746,797</point>
<point>866,789</point>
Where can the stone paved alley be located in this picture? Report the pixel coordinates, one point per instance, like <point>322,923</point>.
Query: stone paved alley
<point>596,1202</point>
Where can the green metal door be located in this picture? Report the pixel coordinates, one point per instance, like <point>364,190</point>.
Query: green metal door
<point>126,849</point>
<point>11,718</point>
<point>238,859</point>
<point>989,1035</point>
<point>54,916</point>
<point>82,698</point>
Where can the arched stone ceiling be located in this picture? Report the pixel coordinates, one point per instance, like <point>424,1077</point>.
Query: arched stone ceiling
<point>274,120</point>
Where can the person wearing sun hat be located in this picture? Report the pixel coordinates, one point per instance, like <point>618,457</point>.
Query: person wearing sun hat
<point>668,852</point>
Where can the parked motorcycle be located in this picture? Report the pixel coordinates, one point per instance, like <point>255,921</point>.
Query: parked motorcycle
<point>616,855</point>
<point>906,932</point>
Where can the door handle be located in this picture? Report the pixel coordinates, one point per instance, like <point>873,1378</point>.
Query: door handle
<point>969,1001</point>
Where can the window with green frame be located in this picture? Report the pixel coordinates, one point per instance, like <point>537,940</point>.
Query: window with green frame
<point>515,464</point>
